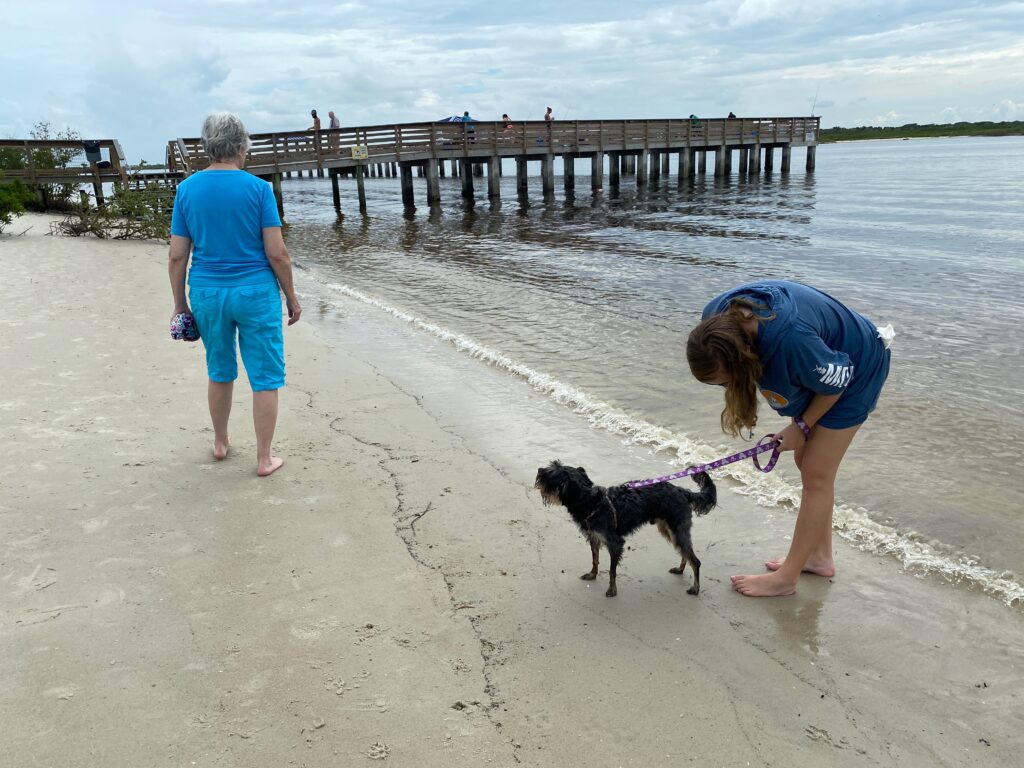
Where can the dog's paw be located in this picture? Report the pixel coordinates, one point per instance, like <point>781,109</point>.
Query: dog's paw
<point>677,570</point>
<point>612,592</point>
<point>693,591</point>
<point>589,576</point>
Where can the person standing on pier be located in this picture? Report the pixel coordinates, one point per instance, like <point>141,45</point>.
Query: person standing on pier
<point>334,125</point>
<point>316,121</point>
<point>814,360</point>
<point>227,220</point>
<point>549,116</point>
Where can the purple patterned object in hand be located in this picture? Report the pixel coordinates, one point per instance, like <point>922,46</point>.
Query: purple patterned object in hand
<point>183,327</point>
<point>765,444</point>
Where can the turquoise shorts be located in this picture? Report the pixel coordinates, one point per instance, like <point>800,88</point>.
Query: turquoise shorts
<point>253,313</point>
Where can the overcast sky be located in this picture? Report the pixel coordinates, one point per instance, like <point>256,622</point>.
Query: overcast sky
<point>145,72</point>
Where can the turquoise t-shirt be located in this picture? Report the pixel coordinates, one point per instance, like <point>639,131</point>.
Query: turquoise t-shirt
<point>224,213</point>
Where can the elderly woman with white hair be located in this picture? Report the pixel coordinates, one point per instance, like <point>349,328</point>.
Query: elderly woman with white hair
<point>227,220</point>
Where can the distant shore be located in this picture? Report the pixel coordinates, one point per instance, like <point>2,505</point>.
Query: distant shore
<point>922,131</point>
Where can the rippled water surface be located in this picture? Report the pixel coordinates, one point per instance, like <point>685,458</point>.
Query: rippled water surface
<point>597,294</point>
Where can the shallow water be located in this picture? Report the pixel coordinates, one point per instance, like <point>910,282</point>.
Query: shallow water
<point>588,301</point>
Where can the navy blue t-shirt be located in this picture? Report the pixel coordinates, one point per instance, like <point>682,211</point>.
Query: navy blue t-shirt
<point>813,345</point>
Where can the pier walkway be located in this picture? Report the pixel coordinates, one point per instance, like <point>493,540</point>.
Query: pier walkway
<point>632,147</point>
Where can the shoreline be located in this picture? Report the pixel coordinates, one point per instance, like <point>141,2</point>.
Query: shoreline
<point>397,588</point>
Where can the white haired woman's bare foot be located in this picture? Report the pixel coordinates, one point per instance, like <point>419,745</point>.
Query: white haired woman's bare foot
<point>269,467</point>
<point>221,448</point>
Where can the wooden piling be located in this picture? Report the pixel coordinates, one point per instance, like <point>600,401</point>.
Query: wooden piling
<point>275,181</point>
<point>810,157</point>
<point>335,191</point>
<point>494,177</point>
<point>720,161</point>
<point>786,152</point>
<point>361,187</point>
<point>408,200</point>
<point>478,170</point>
<point>569,172</point>
<point>743,160</point>
<point>754,163</point>
<point>433,173</point>
<point>665,160</point>
<point>521,188</point>
<point>769,158</point>
<point>702,162</point>
<point>440,168</point>
<point>639,165</point>
<point>597,171</point>
<point>466,173</point>
<point>655,171</point>
<point>615,169</point>
<point>547,174</point>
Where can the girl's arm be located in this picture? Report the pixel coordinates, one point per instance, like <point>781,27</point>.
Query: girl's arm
<point>792,437</point>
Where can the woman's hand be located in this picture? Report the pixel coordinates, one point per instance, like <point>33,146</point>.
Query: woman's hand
<point>294,310</point>
<point>791,438</point>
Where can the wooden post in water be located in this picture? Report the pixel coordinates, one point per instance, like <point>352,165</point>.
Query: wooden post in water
<point>547,174</point>
<point>786,152</point>
<point>455,168</point>
<point>655,160</point>
<point>335,192</point>
<point>275,181</point>
<point>639,165</point>
<point>810,158</point>
<point>373,170</point>
<point>408,200</point>
<point>720,161</point>
<point>665,163</point>
<point>433,173</point>
<point>494,177</point>
<point>597,171</point>
<point>685,165</point>
<point>743,160</point>
<point>728,161</point>
<point>615,169</point>
<point>702,162</point>
<point>754,164</point>
<point>394,168</point>
<point>419,171</point>
<point>769,158</point>
<point>440,168</point>
<point>478,170</point>
<point>466,172</point>
<point>521,176</point>
<point>361,186</point>
<point>569,172</point>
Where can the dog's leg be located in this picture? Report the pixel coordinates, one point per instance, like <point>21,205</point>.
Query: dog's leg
<point>615,546</point>
<point>678,570</point>
<point>686,549</point>
<point>595,548</point>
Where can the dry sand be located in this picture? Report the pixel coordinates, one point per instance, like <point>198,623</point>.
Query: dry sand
<point>395,593</point>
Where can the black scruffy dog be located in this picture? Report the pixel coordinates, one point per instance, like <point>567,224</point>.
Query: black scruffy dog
<point>608,515</point>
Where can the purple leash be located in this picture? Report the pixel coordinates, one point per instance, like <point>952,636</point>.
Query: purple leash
<point>766,443</point>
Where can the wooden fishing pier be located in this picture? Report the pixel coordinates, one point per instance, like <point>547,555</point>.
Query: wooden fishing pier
<point>640,148</point>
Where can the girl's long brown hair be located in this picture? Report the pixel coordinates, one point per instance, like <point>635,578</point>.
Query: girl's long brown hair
<point>719,344</point>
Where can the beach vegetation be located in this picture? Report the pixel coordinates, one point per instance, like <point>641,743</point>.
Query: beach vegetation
<point>134,212</point>
<point>13,197</point>
<point>922,130</point>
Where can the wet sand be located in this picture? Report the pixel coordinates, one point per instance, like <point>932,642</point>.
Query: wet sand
<point>397,592</point>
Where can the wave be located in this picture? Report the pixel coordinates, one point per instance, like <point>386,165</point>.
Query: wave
<point>854,524</point>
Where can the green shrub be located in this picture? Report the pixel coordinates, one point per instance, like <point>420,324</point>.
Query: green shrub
<point>13,196</point>
<point>133,213</point>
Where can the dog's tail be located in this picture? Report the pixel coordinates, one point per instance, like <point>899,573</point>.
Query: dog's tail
<point>705,501</point>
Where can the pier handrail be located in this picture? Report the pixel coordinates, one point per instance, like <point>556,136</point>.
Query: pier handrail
<point>397,142</point>
<point>71,174</point>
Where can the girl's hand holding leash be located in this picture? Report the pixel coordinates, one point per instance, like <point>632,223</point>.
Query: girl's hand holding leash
<point>793,436</point>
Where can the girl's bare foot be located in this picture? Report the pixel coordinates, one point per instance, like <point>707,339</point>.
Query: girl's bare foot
<point>818,567</point>
<point>269,467</point>
<point>764,585</point>
<point>220,449</point>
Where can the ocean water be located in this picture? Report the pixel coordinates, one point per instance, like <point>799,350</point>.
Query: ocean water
<point>587,300</point>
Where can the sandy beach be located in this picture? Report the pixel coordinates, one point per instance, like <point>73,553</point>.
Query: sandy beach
<point>397,594</point>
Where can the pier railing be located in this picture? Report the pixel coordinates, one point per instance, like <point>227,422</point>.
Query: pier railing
<point>29,154</point>
<point>415,142</point>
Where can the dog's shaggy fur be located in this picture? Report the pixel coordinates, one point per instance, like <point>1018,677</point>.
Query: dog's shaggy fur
<point>608,515</point>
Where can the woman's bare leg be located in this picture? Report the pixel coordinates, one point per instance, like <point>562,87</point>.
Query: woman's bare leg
<point>218,395</point>
<point>812,536</point>
<point>264,417</point>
